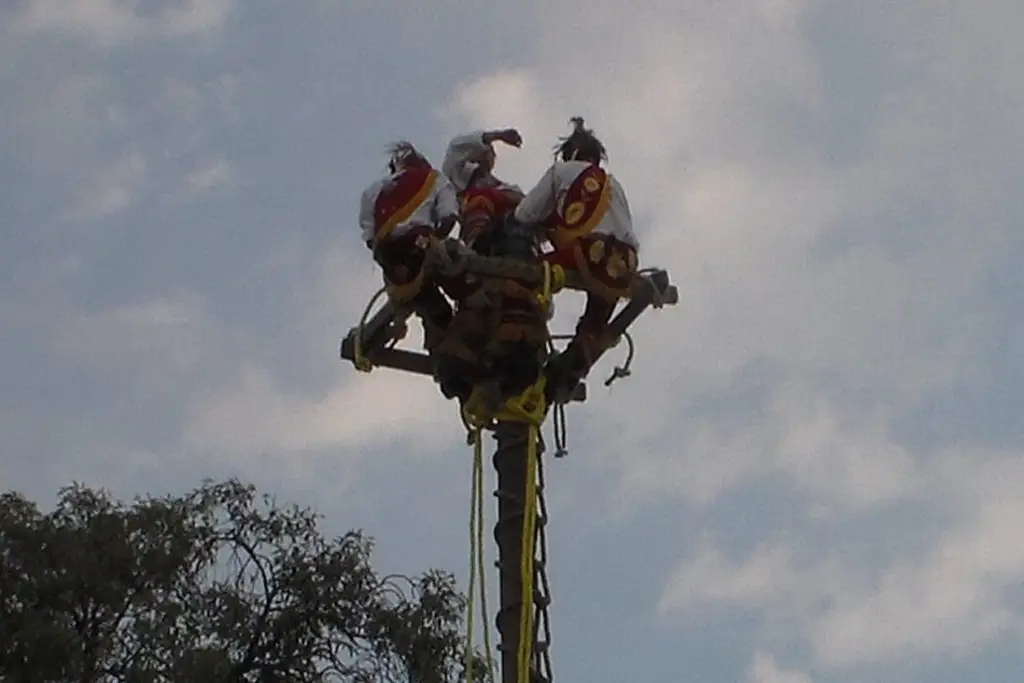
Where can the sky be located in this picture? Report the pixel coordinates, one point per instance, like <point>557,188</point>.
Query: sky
<point>815,473</point>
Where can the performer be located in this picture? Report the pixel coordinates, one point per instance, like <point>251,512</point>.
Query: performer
<point>484,198</point>
<point>401,216</point>
<point>583,211</point>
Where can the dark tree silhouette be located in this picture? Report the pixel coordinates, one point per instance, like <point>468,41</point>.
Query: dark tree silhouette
<point>219,585</point>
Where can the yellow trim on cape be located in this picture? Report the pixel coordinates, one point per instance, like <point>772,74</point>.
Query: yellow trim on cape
<point>402,213</point>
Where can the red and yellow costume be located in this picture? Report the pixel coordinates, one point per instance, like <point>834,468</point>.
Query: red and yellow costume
<point>584,214</point>
<point>605,262</point>
<point>401,253</point>
<point>399,217</point>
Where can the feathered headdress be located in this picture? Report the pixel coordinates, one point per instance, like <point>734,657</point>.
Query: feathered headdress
<point>580,144</point>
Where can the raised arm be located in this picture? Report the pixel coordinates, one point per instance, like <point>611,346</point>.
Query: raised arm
<point>472,148</point>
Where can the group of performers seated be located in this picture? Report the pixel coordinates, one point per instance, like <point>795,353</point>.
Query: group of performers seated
<point>490,334</point>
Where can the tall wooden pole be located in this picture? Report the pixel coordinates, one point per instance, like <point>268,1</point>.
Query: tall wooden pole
<point>510,462</point>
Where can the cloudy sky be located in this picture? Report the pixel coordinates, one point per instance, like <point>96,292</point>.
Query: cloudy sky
<point>815,473</point>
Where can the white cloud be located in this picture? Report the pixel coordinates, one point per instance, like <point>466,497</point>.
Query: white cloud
<point>103,20</point>
<point>254,416</point>
<point>111,189</point>
<point>57,122</point>
<point>950,599</point>
<point>707,111</point>
<point>765,578</point>
<point>114,22</point>
<point>195,16</point>
<point>713,118</point>
<point>337,286</point>
<point>828,294</point>
<point>508,98</point>
<point>96,147</point>
<point>158,338</point>
<point>211,173</point>
<point>843,462</point>
<point>954,598</point>
<point>291,424</point>
<point>764,669</point>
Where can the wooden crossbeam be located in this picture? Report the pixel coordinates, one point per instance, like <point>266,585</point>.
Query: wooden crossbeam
<point>418,363</point>
<point>389,323</point>
<point>533,273</point>
<point>385,325</point>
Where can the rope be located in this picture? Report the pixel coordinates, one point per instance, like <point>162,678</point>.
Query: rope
<point>623,371</point>
<point>558,422</point>
<point>476,560</point>
<point>560,430</point>
<point>480,552</point>
<point>543,589</point>
<point>657,298</point>
<point>362,363</point>
<point>526,566</point>
<point>451,257</point>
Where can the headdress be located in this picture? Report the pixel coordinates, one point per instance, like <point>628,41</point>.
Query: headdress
<point>580,144</point>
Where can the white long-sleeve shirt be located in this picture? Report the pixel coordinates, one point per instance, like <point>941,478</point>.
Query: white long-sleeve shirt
<point>459,164</point>
<point>439,201</point>
<point>548,197</point>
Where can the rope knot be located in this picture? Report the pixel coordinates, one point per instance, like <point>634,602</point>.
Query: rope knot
<point>451,257</point>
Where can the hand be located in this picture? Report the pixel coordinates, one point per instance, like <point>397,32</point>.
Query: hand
<point>510,136</point>
<point>445,226</point>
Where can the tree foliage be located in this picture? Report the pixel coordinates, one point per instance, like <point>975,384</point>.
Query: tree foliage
<point>218,585</point>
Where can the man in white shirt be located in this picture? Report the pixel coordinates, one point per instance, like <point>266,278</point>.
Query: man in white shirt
<point>401,216</point>
<point>484,198</point>
<point>470,157</point>
<point>582,209</point>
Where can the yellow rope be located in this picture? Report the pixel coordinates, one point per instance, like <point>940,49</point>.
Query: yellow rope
<point>473,549</point>
<point>554,282</point>
<point>526,567</point>
<point>480,553</point>
<point>476,560</point>
<point>362,363</point>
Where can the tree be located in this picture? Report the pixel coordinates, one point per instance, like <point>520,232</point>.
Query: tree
<point>220,585</point>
